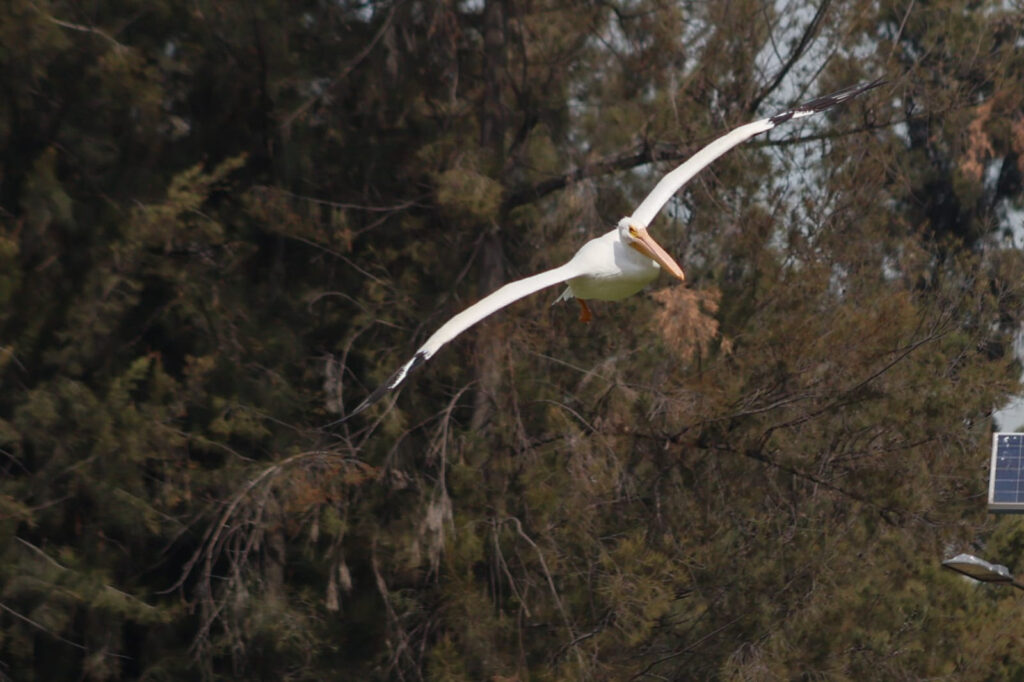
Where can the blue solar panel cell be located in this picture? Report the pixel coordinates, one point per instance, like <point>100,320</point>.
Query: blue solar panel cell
<point>1006,477</point>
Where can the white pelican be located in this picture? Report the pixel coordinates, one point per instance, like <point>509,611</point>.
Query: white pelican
<point>617,264</point>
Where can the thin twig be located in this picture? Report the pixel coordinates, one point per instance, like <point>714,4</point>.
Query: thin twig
<point>42,628</point>
<point>353,63</point>
<point>87,29</point>
<point>805,40</point>
<point>551,585</point>
<point>687,649</point>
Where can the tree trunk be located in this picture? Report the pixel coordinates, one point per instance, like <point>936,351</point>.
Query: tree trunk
<point>492,140</point>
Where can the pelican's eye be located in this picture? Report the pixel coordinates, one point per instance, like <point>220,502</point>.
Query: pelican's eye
<point>632,231</point>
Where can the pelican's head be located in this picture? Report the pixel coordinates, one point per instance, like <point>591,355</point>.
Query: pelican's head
<point>636,237</point>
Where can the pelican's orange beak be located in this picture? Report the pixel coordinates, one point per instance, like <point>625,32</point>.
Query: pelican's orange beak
<point>646,245</point>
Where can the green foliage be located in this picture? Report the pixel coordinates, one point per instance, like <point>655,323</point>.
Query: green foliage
<point>222,224</point>
<point>467,196</point>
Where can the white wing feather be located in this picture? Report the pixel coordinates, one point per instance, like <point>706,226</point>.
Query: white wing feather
<point>506,295</point>
<point>673,182</point>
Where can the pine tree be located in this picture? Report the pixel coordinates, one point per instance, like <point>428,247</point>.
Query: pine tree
<point>223,224</point>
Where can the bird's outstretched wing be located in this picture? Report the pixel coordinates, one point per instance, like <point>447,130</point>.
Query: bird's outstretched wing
<point>506,295</point>
<point>671,183</point>
<point>642,217</point>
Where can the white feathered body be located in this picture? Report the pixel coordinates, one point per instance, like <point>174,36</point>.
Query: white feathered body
<point>614,270</point>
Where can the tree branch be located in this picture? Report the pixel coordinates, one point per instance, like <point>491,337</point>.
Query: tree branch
<point>643,154</point>
<point>347,69</point>
<point>805,40</point>
<point>638,156</point>
<point>551,585</point>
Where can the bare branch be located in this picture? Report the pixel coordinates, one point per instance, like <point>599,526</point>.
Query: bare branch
<point>647,153</point>
<point>41,628</point>
<point>685,650</point>
<point>347,69</point>
<point>88,29</point>
<point>551,585</point>
<point>616,162</point>
<point>805,40</point>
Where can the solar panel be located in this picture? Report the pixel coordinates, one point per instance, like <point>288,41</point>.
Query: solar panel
<point>1006,477</point>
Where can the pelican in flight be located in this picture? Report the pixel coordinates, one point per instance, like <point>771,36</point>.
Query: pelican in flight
<point>617,264</point>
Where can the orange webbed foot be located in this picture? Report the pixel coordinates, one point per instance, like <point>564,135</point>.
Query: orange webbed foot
<point>585,314</point>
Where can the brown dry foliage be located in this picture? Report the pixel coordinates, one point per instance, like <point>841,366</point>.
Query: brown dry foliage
<point>686,321</point>
<point>1017,127</point>
<point>979,146</point>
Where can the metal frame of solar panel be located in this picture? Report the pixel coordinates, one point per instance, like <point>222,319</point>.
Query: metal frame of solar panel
<point>1006,475</point>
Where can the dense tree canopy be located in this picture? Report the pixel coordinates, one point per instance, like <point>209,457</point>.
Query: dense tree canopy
<point>222,224</point>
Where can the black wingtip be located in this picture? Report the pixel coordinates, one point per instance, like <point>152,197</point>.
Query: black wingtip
<point>822,103</point>
<point>393,382</point>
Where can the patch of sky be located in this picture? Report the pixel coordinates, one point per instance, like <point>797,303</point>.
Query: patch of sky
<point>364,11</point>
<point>1010,417</point>
<point>789,22</point>
<point>1010,235</point>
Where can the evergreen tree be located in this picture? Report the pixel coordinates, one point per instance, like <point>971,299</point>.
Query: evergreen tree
<point>224,223</point>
